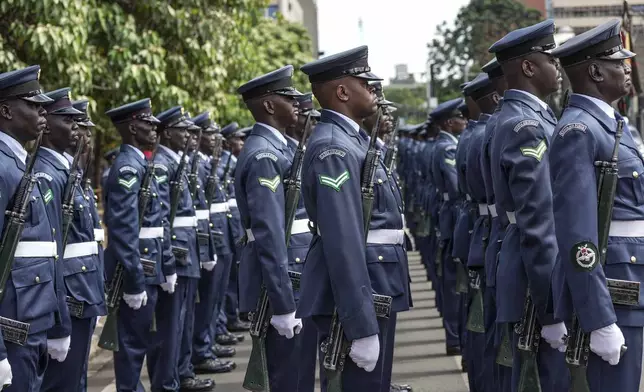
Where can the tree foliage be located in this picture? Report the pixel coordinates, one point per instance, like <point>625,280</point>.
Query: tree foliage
<point>189,52</point>
<point>466,40</point>
<point>410,102</point>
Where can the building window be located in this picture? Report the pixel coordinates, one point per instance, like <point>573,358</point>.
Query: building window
<point>594,11</point>
<point>272,10</point>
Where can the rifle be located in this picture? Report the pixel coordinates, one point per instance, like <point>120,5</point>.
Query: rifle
<point>293,183</point>
<point>213,180</point>
<point>392,150</point>
<point>73,181</point>
<point>622,292</point>
<point>256,378</point>
<point>87,182</point>
<point>529,331</point>
<point>109,337</point>
<point>176,188</point>
<point>227,172</point>
<point>12,330</point>
<point>336,347</point>
<point>194,169</point>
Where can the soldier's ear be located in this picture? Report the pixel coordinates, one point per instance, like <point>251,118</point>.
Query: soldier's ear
<point>527,67</point>
<point>342,92</point>
<point>268,106</point>
<point>131,128</point>
<point>595,72</point>
<point>5,111</point>
<point>496,98</point>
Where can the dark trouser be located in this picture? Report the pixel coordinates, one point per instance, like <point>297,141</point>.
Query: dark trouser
<point>134,339</point>
<point>67,376</point>
<point>28,363</point>
<point>476,344</point>
<point>204,314</point>
<point>222,275</point>
<point>188,317</point>
<point>388,362</point>
<point>163,354</point>
<point>553,372</point>
<point>463,333</point>
<point>451,300</point>
<point>232,293</point>
<point>625,376</point>
<point>307,352</point>
<point>355,378</point>
<point>490,368</point>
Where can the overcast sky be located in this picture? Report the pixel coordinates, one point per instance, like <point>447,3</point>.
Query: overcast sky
<point>397,31</point>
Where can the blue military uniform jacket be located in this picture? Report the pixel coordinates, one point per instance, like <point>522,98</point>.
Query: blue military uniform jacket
<point>521,180</point>
<point>476,189</point>
<point>465,208</point>
<point>219,210</point>
<point>263,164</point>
<point>81,264</point>
<point>31,295</point>
<point>127,244</point>
<point>340,271</point>
<point>228,182</point>
<point>444,177</point>
<point>205,240</point>
<point>184,230</point>
<point>586,134</point>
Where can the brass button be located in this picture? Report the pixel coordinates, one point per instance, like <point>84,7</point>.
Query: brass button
<point>80,206</point>
<point>210,224</point>
<point>37,279</point>
<point>154,195</point>
<point>174,237</point>
<point>145,250</point>
<point>297,260</point>
<point>86,197</point>
<point>55,257</point>
<point>83,268</point>
<point>380,181</point>
<point>161,240</point>
<point>229,215</point>
<point>635,174</point>
<point>100,222</point>
<point>161,203</point>
<point>633,259</point>
<point>53,231</point>
<point>380,258</point>
<point>197,230</point>
<point>198,186</point>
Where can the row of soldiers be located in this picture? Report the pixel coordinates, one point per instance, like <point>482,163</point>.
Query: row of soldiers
<point>531,227</point>
<point>180,228</point>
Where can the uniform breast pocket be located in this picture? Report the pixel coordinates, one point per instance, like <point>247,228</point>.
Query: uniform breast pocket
<point>296,258</point>
<point>630,187</point>
<point>83,280</point>
<point>385,269</point>
<point>82,213</point>
<point>35,292</point>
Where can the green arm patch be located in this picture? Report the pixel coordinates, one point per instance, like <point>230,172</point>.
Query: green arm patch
<point>535,152</point>
<point>270,183</point>
<point>451,162</point>
<point>161,179</point>
<point>335,183</point>
<point>48,196</point>
<point>127,184</point>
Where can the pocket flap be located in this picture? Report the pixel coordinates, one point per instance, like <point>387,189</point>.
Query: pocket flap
<point>38,272</point>
<point>382,254</point>
<point>625,251</point>
<point>77,265</point>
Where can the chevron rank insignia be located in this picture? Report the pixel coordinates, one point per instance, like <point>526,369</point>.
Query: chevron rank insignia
<point>535,152</point>
<point>127,184</point>
<point>451,162</point>
<point>49,195</point>
<point>270,183</point>
<point>161,179</point>
<point>335,183</point>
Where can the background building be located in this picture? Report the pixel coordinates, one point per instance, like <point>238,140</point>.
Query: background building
<point>304,12</point>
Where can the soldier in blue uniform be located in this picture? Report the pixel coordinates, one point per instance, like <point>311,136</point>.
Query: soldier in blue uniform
<point>33,292</point>
<point>205,352</point>
<point>264,163</point>
<point>341,271</point>
<point>521,182</point>
<point>128,244</point>
<point>444,176</point>
<point>295,131</point>
<point>82,270</point>
<point>109,157</point>
<point>595,63</point>
<point>169,360</point>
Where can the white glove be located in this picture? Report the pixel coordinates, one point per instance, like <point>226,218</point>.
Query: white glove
<point>5,372</point>
<point>607,342</point>
<point>286,324</point>
<point>135,301</point>
<point>58,348</point>
<point>209,265</point>
<point>365,352</point>
<point>170,283</point>
<point>555,334</point>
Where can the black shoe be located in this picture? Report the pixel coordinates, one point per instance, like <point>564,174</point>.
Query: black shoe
<point>244,317</point>
<point>453,351</point>
<point>400,388</point>
<point>226,340</point>
<point>196,385</point>
<point>239,336</point>
<point>214,366</point>
<point>238,326</point>
<point>223,351</point>
<point>463,365</point>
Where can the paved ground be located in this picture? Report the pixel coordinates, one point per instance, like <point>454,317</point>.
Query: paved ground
<point>419,355</point>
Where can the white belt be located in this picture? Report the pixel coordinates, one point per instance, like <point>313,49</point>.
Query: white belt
<point>151,232</point>
<point>99,235</point>
<point>216,208</point>
<point>80,249</point>
<point>202,214</point>
<point>446,196</point>
<point>300,226</point>
<point>184,221</point>
<point>492,208</point>
<point>249,235</point>
<point>468,197</point>
<point>386,236</point>
<point>232,203</point>
<point>482,209</point>
<point>511,217</point>
<point>36,249</point>
<point>626,228</point>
